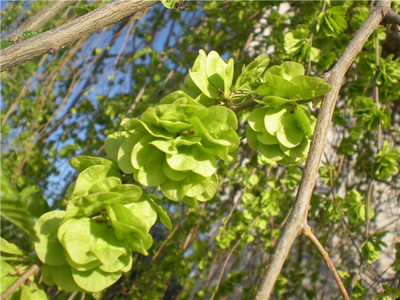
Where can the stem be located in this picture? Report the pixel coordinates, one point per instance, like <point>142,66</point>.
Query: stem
<point>325,256</point>
<point>32,269</point>
<point>41,18</point>
<point>354,278</point>
<point>242,106</point>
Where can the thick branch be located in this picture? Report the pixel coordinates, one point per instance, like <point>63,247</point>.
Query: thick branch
<point>57,38</point>
<point>32,269</point>
<point>299,213</point>
<point>40,19</point>
<point>325,256</point>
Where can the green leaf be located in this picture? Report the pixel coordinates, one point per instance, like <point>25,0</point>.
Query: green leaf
<point>48,249</point>
<point>148,160</point>
<point>95,280</point>
<point>6,279</point>
<point>105,185</point>
<point>311,87</point>
<point>273,119</point>
<point>172,174</point>
<point>82,162</point>
<point>266,138</point>
<point>194,159</point>
<point>62,277</point>
<point>292,69</point>
<point>298,151</point>
<point>9,248</point>
<point>13,210</point>
<point>156,131</point>
<point>129,224</point>
<point>302,121</point>
<point>87,205</point>
<point>256,119</point>
<point>172,97</point>
<point>203,84</point>
<point>113,142</point>
<point>123,264</point>
<point>272,152</point>
<point>392,291</point>
<point>89,177</point>
<point>86,240</point>
<point>125,153</point>
<point>162,213</point>
<point>370,251</point>
<point>290,135</point>
<point>170,4</point>
<point>277,86</point>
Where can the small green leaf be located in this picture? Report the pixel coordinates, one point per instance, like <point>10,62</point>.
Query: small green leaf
<point>170,4</point>
<point>392,291</point>
<point>370,251</point>
<point>162,213</point>
<point>9,248</point>
<point>82,162</point>
<point>13,210</point>
<point>62,277</point>
<point>94,281</point>
<point>89,177</point>
<point>256,119</point>
<point>49,250</point>
<point>113,142</point>
<point>289,135</point>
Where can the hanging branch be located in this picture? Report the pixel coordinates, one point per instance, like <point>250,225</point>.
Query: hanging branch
<point>298,216</point>
<point>325,256</point>
<point>55,39</point>
<point>40,19</point>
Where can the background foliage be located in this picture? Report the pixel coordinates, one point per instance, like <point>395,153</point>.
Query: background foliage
<point>56,107</point>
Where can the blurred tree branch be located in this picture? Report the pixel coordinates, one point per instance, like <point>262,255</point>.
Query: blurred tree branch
<point>55,39</point>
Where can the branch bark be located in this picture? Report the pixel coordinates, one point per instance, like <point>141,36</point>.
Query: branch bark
<point>55,39</point>
<point>298,217</point>
<point>40,19</point>
<point>325,256</point>
<point>32,269</point>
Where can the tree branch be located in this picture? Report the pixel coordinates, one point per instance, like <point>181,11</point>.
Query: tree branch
<point>294,225</point>
<point>52,40</point>
<point>32,269</point>
<point>325,256</point>
<point>40,19</point>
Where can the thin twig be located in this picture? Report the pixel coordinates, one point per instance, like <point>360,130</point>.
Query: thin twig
<point>354,278</point>
<point>325,256</point>
<point>32,269</point>
<point>41,18</point>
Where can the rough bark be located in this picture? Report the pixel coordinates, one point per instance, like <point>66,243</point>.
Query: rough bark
<point>52,40</point>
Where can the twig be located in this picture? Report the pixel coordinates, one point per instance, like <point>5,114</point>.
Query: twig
<point>60,37</point>
<point>354,278</point>
<point>40,19</point>
<point>242,106</point>
<point>32,269</point>
<point>325,256</point>
<point>300,210</point>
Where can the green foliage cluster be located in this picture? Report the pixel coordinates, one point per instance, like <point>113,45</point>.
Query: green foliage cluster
<point>176,145</point>
<point>53,111</point>
<point>282,130</point>
<point>88,246</point>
